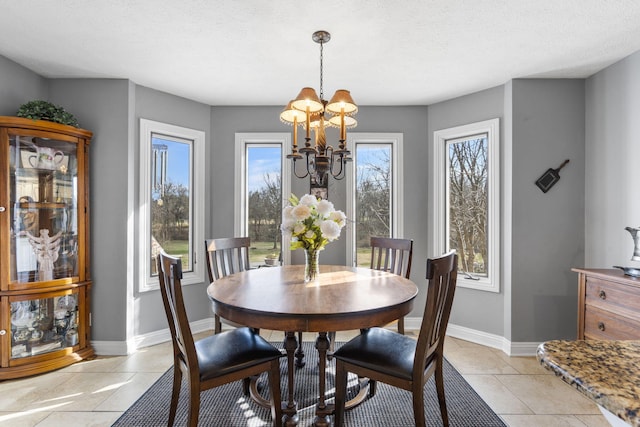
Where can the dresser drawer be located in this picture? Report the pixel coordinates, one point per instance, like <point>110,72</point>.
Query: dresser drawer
<point>614,297</point>
<point>600,324</point>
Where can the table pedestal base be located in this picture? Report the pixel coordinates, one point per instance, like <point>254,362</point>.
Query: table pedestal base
<point>290,407</point>
<point>322,409</point>
<point>300,353</point>
<point>290,411</point>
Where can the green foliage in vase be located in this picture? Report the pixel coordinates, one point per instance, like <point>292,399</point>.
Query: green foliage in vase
<point>43,110</point>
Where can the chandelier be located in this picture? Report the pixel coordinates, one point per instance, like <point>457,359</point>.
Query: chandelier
<point>308,110</point>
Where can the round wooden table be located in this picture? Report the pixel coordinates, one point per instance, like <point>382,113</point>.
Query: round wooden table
<point>342,298</point>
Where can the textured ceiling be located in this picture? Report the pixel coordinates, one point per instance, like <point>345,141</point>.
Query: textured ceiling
<point>258,52</point>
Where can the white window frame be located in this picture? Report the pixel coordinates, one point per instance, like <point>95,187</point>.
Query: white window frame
<point>196,221</point>
<point>440,179</point>
<point>397,185</point>
<point>241,196</point>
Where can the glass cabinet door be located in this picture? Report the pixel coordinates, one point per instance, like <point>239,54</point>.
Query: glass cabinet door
<point>43,325</point>
<point>44,208</point>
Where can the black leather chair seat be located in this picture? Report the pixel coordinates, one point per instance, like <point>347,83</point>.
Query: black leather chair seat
<point>232,350</point>
<point>381,350</point>
<point>383,355</point>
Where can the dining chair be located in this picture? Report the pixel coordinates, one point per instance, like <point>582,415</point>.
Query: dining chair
<point>400,361</point>
<point>392,255</point>
<point>226,256</point>
<point>387,254</point>
<point>215,360</point>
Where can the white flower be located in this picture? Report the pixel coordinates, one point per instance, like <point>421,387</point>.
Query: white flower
<point>287,223</point>
<point>287,212</point>
<point>325,207</point>
<point>330,229</point>
<point>308,200</point>
<point>339,217</point>
<point>301,212</point>
<point>310,223</point>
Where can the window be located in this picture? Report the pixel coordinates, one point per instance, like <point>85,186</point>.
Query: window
<point>466,168</point>
<point>171,199</point>
<point>374,192</point>
<point>263,184</point>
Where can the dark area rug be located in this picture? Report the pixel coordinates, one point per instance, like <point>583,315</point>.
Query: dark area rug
<point>226,406</point>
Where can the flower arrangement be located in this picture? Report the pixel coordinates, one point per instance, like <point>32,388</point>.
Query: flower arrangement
<point>310,223</point>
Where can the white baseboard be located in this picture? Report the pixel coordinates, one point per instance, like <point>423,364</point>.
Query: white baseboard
<point>121,348</point>
<point>482,338</point>
<point>112,348</point>
<point>523,348</point>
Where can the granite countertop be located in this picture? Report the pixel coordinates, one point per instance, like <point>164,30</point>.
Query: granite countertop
<point>608,372</point>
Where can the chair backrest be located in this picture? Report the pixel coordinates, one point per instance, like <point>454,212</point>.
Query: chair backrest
<point>170,275</point>
<point>227,256</point>
<point>393,255</point>
<point>442,274</point>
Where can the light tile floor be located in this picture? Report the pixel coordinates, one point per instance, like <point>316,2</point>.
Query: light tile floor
<point>96,392</point>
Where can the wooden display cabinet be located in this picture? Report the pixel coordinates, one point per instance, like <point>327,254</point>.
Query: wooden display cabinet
<point>45,280</point>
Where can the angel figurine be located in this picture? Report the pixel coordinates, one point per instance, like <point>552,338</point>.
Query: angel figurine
<point>46,249</point>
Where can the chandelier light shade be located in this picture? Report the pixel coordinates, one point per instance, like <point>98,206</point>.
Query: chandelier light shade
<point>309,110</point>
<point>341,102</point>
<point>307,100</point>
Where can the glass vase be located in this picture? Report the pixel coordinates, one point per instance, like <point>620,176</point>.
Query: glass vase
<point>311,265</point>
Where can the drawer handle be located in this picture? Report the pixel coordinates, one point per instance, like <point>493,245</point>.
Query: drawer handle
<point>601,326</point>
<point>602,295</point>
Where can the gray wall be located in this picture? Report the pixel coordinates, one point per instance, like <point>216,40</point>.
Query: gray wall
<point>471,308</point>
<point>542,123</point>
<point>225,122</point>
<point>159,106</point>
<point>547,228</point>
<point>112,109</point>
<point>19,85</point>
<point>101,106</point>
<point>612,171</point>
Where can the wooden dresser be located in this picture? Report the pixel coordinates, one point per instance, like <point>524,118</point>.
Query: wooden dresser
<point>608,305</point>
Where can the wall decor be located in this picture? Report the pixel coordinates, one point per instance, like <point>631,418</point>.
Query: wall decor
<point>550,177</point>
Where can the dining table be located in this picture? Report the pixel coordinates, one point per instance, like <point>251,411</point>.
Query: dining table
<point>341,298</point>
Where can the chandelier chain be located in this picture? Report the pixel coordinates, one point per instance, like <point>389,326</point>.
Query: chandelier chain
<point>321,67</point>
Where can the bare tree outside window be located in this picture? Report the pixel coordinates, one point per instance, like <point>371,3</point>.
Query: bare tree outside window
<point>265,211</point>
<point>373,196</point>
<point>468,202</point>
<point>170,202</point>
<point>264,207</point>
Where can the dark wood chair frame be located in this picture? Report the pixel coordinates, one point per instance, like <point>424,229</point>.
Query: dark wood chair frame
<point>392,255</point>
<point>372,353</point>
<point>226,256</point>
<point>387,254</point>
<point>187,352</point>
